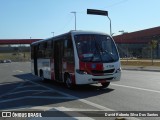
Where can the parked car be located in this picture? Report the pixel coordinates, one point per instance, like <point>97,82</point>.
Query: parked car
<point>5,61</point>
<point>8,61</point>
<point>1,61</point>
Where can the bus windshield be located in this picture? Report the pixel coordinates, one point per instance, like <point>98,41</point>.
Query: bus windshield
<point>96,48</point>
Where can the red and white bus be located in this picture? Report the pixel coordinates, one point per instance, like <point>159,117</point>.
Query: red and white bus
<point>76,58</point>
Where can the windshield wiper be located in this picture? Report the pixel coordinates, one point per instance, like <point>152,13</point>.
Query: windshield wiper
<point>109,54</point>
<point>106,51</point>
<point>98,48</point>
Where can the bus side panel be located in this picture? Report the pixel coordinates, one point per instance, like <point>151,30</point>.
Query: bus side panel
<point>44,65</point>
<point>52,69</point>
<point>69,67</point>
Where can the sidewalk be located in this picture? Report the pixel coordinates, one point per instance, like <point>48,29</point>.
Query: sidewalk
<point>141,68</point>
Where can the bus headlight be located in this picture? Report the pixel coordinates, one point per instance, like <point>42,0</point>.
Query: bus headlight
<point>81,71</point>
<point>118,70</point>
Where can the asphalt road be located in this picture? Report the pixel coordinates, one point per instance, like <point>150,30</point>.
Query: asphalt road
<point>20,90</point>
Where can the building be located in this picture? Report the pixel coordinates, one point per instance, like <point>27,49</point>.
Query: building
<point>138,44</point>
<point>135,44</point>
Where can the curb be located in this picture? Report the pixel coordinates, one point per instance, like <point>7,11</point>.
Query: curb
<point>137,69</point>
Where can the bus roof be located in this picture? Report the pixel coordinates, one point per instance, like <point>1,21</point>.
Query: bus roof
<point>73,32</point>
<point>86,32</point>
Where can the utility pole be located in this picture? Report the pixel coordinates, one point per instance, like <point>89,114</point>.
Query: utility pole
<point>75,18</point>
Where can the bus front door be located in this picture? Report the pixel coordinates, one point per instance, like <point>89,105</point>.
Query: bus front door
<point>58,53</point>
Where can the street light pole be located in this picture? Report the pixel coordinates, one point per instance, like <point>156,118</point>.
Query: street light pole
<point>100,12</point>
<point>75,18</point>
<point>30,40</point>
<point>110,25</point>
<point>52,33</point>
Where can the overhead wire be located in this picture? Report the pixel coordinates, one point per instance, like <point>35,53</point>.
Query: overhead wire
<point>116,3</point>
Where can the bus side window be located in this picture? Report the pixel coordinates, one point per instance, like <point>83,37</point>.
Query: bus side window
<point>48,50</point>
<point>68,51</point>
<point>32,51</point>
<point>40,51</point>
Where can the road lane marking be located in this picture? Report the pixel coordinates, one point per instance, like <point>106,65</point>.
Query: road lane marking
<point>74,97</point>
<point>18,71</point>
<point>76,118</point>
<point>65,94</point>
<point>48,108</point>
<point>63,109</point>
<point>18,108</point>
<point>26,86</point>
<point>137,88</point>
<point>20,84</point>
<point>23,92</point>
<point>74,109</point>
<point>100,107</point>
<point>30,97</point>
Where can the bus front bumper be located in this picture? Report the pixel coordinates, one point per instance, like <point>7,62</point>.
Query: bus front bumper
<point>90,79</point>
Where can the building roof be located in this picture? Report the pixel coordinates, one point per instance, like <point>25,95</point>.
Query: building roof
<point>143,36</point>
<point>139,37</point>
<point>18,41</point>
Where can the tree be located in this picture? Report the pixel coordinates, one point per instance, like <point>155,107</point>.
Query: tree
<point>153,44</point>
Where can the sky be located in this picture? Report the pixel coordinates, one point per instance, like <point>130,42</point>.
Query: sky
<point>37,19</point>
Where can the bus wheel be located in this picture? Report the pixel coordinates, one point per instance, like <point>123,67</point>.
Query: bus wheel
<point>68,82</point>
<point>105,85</point>
<point>41,75</point>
